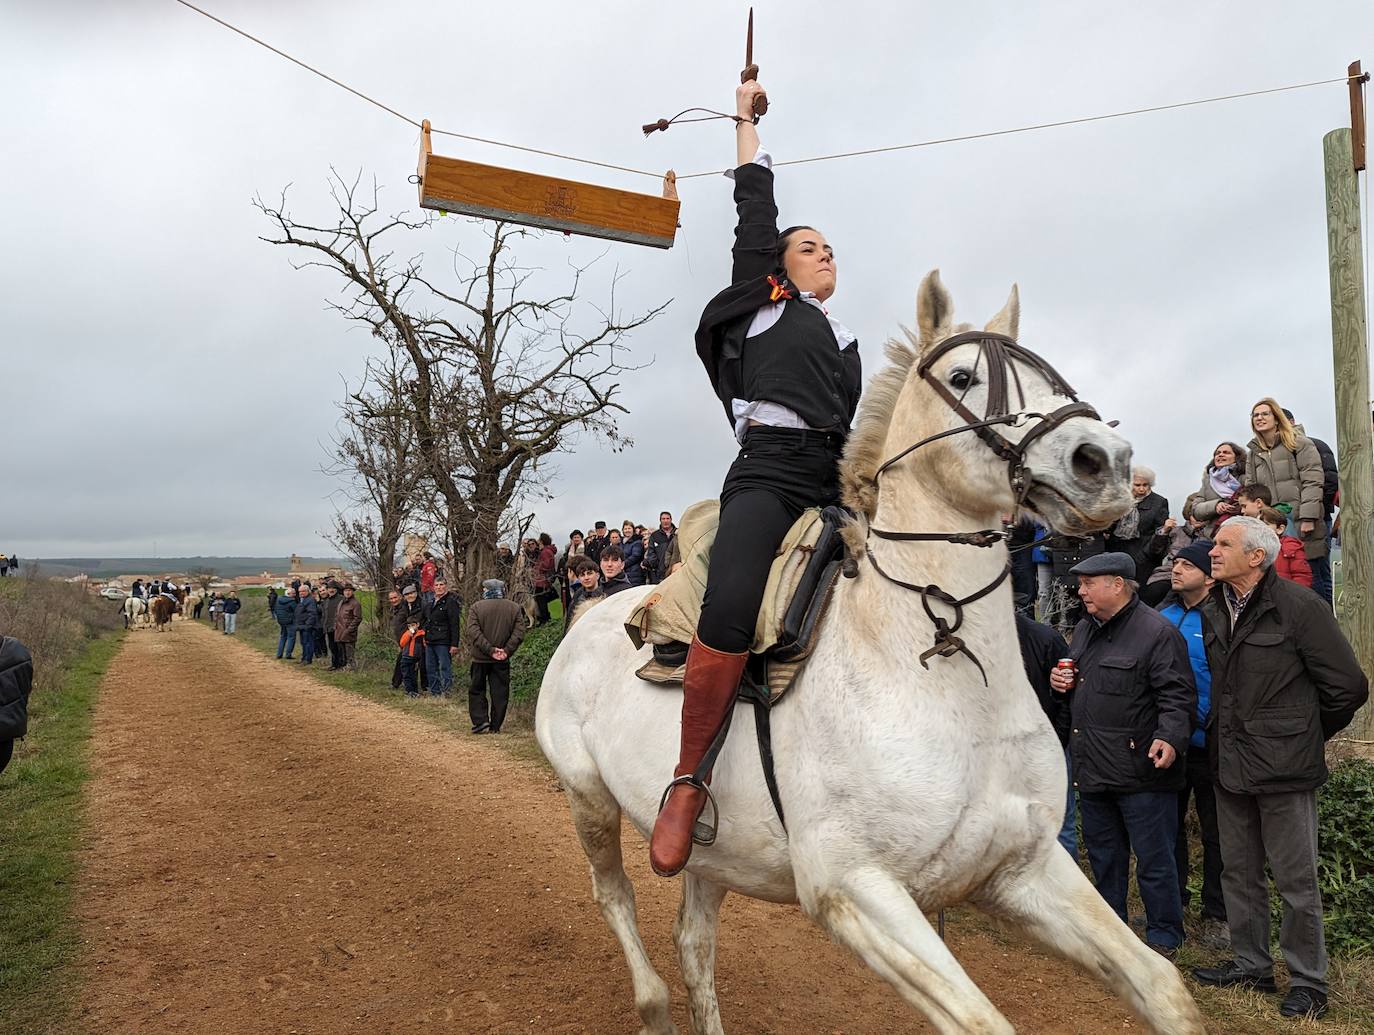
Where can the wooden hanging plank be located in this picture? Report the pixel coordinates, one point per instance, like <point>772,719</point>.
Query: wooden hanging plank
<point>490,192</point>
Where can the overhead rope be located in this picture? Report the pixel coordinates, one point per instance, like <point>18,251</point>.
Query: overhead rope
<point>1039,126</point>
<point>1034,127</point>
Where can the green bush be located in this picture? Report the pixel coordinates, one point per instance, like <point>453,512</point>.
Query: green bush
<point>1345,830</point>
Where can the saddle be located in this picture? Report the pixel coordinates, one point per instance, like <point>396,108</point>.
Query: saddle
<point>800,582</point>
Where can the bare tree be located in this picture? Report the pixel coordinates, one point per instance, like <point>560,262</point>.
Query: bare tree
<point>496,381</point>
<point>375,452</point>
<point>203,577</point>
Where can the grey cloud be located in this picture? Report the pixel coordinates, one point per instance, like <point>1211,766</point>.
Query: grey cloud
<point>168,376</point>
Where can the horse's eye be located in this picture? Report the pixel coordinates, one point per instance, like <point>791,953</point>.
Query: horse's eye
<point>961,380</point>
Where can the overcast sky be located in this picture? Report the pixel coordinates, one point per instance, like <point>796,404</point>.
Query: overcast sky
<point>170,382</point>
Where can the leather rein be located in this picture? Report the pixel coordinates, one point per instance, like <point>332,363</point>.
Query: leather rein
<point>1001,352</point>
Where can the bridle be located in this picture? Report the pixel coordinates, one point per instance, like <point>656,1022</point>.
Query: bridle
<point>1001,353</point>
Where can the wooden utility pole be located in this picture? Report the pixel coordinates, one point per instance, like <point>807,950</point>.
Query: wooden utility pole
<point>1343,150</point>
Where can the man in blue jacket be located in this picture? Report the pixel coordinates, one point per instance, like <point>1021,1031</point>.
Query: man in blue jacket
<point>1190,581</point>
<point>285,613</point>
<point>307,621</point>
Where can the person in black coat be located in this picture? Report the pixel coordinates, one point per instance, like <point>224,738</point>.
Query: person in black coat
<point>443,625</point>
<point>1041,649</point>
<point>16,681</point>
<point>788,377</point>
<point>1133,707</point>
<point>1151,511</point>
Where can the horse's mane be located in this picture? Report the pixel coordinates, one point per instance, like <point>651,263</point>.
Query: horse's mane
<point>863,453</point>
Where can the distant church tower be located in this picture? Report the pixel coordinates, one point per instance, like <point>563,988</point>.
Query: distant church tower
<point>295,564</point>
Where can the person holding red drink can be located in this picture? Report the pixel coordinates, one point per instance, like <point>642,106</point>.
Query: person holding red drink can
<point>1132,707</point>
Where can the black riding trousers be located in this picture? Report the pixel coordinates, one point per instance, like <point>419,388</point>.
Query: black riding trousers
<point>778,473</point>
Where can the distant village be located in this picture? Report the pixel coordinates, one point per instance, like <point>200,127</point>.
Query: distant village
<point>119,585</point>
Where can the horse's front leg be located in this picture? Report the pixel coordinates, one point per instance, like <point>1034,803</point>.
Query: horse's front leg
<point>1053,902</point>
<point>695,933</point>
<point>869,911</point>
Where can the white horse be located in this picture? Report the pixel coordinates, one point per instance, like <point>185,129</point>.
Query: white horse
<point>904,789</point>
<point>135,608</point>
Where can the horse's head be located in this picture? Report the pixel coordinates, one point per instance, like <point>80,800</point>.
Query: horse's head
<point>984,425</point>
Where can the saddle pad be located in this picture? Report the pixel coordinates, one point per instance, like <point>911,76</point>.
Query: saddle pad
<point>670,613</point>
<point>780,675</point>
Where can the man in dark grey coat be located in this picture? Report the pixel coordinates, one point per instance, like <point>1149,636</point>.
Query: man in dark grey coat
<point>496,627</point>
<point>1133,708</point>
<point>1284,681</point>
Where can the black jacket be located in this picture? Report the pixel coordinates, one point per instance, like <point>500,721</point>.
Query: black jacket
<point>1154,511</point>
<point>1041,647</point>
<point>656,556</point>
<point>442,622</point>
<point>16,680</point>
<point>1331,479</point>
<point>827,402</point>
<point>592,546</point>
<point>1284,681</point>
<point>400,617</point>
<point>1135,686</point>
<point>1067,551</point>
<point>610,587</point>
<point>1023,579</point>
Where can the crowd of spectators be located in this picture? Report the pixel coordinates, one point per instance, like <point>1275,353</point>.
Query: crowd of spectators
<point>324,619</point>
<point>1203,669</point>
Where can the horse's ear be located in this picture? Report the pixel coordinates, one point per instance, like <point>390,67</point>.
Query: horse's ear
<point>1009,319</point>
<point>934,310</point>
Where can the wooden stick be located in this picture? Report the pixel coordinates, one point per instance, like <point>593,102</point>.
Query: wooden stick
<point>1357,113</point>
<point>426,149</point>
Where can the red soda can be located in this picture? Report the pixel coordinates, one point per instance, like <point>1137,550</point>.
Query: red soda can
<point>1068,667</point>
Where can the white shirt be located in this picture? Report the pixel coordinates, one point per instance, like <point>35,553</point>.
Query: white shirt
<point>761,411</point>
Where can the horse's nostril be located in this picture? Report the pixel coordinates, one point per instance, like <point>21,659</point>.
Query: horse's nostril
<point>1090,462</point>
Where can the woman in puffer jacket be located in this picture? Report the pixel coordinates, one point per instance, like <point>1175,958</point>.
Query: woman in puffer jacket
<point>1289,465</point>
<point>1221,480</point>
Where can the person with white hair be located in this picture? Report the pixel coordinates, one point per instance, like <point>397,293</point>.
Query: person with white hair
<point>1132,533</point>
<point>1284,681</point>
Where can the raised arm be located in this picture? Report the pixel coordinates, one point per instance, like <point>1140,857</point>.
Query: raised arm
<point>756,234</point>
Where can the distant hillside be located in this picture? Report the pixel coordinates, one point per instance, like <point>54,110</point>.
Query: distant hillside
<point>105,567</point>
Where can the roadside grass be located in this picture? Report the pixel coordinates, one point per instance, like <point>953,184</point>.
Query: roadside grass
<point>376,656</point>
<point>42,810</point>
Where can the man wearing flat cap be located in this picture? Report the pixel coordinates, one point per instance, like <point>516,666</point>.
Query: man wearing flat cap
<point>1132,711</point>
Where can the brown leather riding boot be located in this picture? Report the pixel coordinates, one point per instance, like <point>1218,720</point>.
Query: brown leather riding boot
<point>709,687</point>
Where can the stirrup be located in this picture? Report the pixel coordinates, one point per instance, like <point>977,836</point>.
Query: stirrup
<point>703,834</point>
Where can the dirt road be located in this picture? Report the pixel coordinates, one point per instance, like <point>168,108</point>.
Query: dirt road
<point>269,854</point>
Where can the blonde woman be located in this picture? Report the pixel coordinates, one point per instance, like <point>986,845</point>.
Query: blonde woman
<point>1289,466</point>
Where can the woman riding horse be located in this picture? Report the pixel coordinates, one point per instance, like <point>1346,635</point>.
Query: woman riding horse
<point>789,378</point>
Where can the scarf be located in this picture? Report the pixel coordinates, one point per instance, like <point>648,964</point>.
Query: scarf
<point>1224,483</point>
